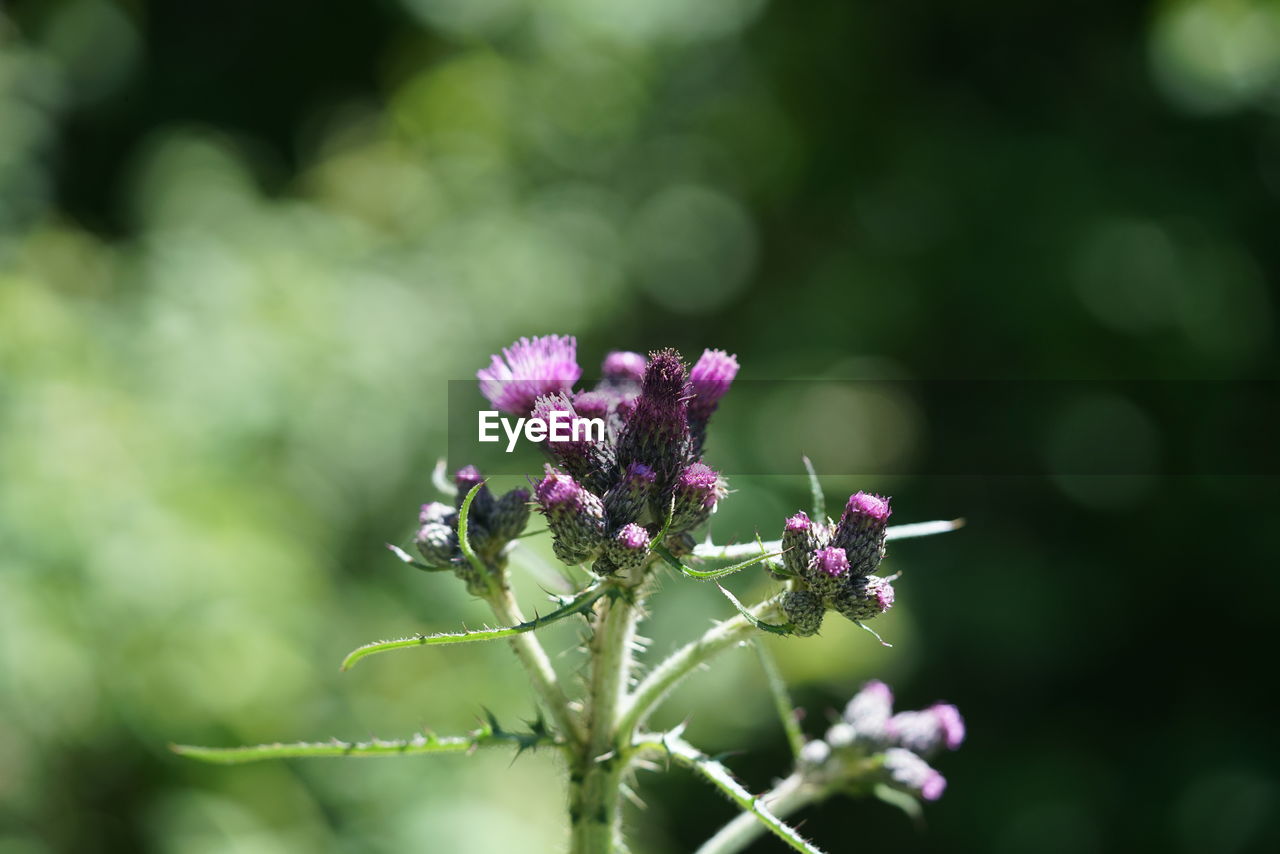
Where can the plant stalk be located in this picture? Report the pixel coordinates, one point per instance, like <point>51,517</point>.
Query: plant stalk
<point>596,775</point>
<point>782,800</point>
<point>687,659</point>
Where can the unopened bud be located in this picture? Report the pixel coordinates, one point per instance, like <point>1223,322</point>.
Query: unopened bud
<point>861,531</point>
<point>804,611</point>
<point>574,515</point>
<point>628,547</point>
<point>907,772</point>
<point>863,598</point>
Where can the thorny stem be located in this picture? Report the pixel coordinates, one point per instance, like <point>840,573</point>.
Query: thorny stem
<point>534,658</point>
<point>739,551</point>
<point>687,659</point>
<point>596,774</point>
<point>782,800</point>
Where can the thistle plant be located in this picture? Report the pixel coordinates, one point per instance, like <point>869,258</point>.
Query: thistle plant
<point>628,506</point>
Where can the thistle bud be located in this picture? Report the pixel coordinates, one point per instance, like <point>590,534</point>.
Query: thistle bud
<point>861,531</point>
<point>437,511</point>
<point>624,366</point>
<point>437,542</point>
<point>510,515</point>
<point>582,456</point>
<point>657,432</point>
<point>804,611</point>
<point>628,548</point>
<point>907,772</point>
<point>697,489</point>
<point>863,598</point>
<point>827,572</point>
<point>710,379</point>
<point>869,710</point>
<point>927,731</point>
<point>627,500</point>
<point>574,515</point>
<point>801,537</point>
<point>466,479</point>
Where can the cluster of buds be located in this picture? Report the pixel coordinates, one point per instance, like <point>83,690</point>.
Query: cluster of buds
<point>492,523</point>
<point>607,497</point>
<point>832,564</point>
<point>871,745</point>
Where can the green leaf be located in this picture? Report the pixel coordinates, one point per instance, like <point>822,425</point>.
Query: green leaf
<point>819,503</point>
<point>464,542</point>
<point>901,800</point>
<point>486,736</point>
<point>782,629</point>
<point>576,605</point>
<point>718,775</point>
<point>708,574</point>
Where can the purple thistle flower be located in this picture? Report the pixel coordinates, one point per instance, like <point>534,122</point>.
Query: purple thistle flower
<point>657,431</point>
<point>831,562</point>
<point>697,489</point>
<point>801,537</point>
<point>827,571</point>
<point>624,366</point>
<point>584,458</point>
<point>709,380</point>
<point>926,731</point>
<point>909,773</point>
<point>574,516</point>
<point>869,710</point>
<point>861,531</point>
<point>628,547</point>
<point>594,404</point>
<point>863,597</point>
<point>530,368</point>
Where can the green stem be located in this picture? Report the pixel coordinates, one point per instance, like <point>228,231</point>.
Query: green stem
<point>739,551</point>
<point>596,778</point>
<point>687,659</point>
<point>760,812</point>
<point>534,658</point>
<point>781,801</point>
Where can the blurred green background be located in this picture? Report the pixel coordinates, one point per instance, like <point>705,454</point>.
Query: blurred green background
<point>243,247</point>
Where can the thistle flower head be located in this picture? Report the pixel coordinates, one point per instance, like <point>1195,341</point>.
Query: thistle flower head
<point>435,511</point>
<point>869,710</point>
<point>928,730</point>
<point>528,368</point>
<point>624,366</point>
<point>863,597</point>
<point>830,562</point>
<point>557,489</point>
<point>575,517</point>
<point>584,457</point>
<point>907,772</point>
<point>628,547</point>
<point>804,611</point>
<point>466,479</point>
<point>711,377</point>
<point>697,490</point>
<point>656,432</point>
<point>861,531</point>
<point>801,537</point>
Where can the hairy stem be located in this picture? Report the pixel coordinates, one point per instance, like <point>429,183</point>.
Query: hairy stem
<point>738,551</point>
<point>596,777</point>
<point>781,801</point>
<point>687,659</point>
